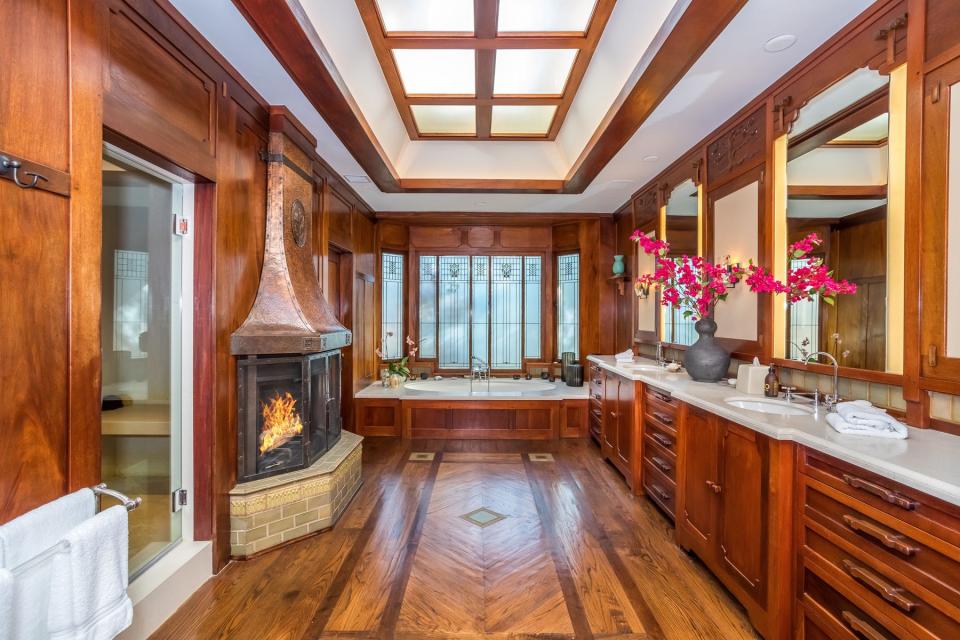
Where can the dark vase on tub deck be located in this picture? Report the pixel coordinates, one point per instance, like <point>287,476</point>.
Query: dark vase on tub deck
<point>705,360</point>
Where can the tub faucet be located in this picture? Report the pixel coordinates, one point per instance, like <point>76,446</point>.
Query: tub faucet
<point>830,399</point>
<point>479,371</point>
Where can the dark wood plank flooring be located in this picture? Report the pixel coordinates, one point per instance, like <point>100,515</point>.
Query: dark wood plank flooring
<point>577,556</point>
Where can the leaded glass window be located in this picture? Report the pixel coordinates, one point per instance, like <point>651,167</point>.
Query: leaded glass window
<point>568,304</point>
<point>391,305</point>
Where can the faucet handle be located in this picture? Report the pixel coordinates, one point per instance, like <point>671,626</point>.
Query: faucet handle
<point>788,392</point>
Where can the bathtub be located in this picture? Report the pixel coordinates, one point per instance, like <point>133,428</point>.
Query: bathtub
<point>447,408</point>
<point>502,387</point>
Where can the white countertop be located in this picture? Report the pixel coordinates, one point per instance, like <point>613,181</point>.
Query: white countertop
<point>560,392</point>
<point>928,461</point>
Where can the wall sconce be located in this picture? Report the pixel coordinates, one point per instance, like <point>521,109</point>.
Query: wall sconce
<point>643,291</point>
<point>732,265</point>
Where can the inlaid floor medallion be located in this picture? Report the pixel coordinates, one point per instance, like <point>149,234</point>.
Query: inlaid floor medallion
<point>540,457</point>
<point>483,517</point>
<point>421,456</point>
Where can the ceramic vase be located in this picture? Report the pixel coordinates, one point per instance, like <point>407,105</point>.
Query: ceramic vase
<point>705,360</point>
<point>618,267</point>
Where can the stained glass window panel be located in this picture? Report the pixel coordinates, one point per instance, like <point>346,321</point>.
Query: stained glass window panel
<point>804,322</point>
<point>531,306</point>
<point>428,307</point>
<point>568,304</point>
<point>454,312</point>
<point>391,314</point>
<point>506,290</point>
<point>480,313</point>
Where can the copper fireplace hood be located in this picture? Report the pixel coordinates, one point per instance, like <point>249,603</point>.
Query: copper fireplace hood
<point>290,314</point>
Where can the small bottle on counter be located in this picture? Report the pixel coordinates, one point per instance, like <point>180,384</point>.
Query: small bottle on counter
<point>771,385</point>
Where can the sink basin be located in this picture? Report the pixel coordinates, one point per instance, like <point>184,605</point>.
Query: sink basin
<point>769,405</point>
<point>646,368</point>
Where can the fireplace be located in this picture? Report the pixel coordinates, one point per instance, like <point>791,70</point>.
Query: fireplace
<point>288,413</point>
<point>288,347</point>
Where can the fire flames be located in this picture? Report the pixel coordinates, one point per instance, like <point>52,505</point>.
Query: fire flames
<point>281,421</point>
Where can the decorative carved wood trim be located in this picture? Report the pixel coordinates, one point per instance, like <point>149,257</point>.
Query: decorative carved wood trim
<point>737,150</point>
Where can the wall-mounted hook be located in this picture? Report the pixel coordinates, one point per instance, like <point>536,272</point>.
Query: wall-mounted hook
<point>6,164</point>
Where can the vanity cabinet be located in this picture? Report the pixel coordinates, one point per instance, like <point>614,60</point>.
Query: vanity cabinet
<point>733,505</point>
<point>660,419</point>
<point>875,559</point>
<point>620,426</point>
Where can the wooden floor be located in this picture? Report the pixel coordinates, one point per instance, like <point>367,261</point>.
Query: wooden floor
<point>576,556</point>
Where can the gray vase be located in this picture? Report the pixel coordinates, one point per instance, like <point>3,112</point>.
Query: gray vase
<point>705,360</point>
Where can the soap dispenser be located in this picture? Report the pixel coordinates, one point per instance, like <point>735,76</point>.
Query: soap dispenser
<point>771,386</point>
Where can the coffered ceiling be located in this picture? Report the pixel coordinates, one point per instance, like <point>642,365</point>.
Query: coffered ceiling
<point>484,69</point>
<point>663,74</point>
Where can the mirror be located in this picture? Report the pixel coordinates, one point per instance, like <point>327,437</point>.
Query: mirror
<point>838,175</point>
<point>682,232</point>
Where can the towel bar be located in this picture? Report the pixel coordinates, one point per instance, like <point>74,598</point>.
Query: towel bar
<point>130,503</point>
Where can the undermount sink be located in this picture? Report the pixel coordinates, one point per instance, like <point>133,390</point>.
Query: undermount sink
<point>652,368</point>
<point>769,405</point>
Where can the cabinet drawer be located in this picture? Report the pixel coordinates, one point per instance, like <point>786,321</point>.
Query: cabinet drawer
<point>663,435</point>
<point>661,458</point>
<point>659,488</point>
<point>662,398</point>
<point>877,585</point>
<point>903,503</point>
<point>839,612</point>
<point>909,551</point>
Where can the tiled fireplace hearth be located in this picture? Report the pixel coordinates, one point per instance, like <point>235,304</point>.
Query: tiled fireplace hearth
<point>271,511</point>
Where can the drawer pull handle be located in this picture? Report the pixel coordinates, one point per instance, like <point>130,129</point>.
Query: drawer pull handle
<point>663,495</point>
<point>662,397</point>
<point>888,539</point>
<point>861,626</point>
<point>665,419</point>
<point>662,439</point>
<point>661,464</point>
<point>714,486</point>
<point>883,493</point>
<point>893,595</point>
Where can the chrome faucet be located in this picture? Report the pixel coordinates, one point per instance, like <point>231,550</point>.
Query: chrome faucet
<point>661,361</point>
<point>479,371</point>
<point>830,399</point>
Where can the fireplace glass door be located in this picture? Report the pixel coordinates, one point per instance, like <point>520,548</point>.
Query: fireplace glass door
<point>146,347</point>
<point>279,440</point>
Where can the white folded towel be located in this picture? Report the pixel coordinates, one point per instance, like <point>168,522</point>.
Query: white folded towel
<point>868,423</point>
<point>6,604</point>
<point>626,356</point>
<point>857,406</point>
<point>36,531</point>
<point>88,588</point>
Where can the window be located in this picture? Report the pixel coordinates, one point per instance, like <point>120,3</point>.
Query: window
<point>391,305</point>
<point>480,307</point>
<point>568,304</point>
<point>804,322</point>
<point>682,328</point>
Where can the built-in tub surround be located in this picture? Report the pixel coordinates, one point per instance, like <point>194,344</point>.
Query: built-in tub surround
<point>450,388</point>
<point>926,461</point>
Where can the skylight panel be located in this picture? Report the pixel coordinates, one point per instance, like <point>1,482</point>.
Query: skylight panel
<point>532,71</point>
<point>436,71</point>
<point>544,15</point>
<point>426,15</point>
<point>521,119</point>
<point>445,119</point>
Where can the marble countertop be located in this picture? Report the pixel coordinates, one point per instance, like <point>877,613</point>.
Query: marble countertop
<point>928,461</point>
<point>560,392</point>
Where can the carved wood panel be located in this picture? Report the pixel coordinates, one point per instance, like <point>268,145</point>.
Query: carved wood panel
<point>737,150</point>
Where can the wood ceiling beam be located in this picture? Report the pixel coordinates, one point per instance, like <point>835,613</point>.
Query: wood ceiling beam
<point>485,15</point>
<point>504,100</point>
<point>468,41</point>
<point>837,192</point>
<point>697,28</point>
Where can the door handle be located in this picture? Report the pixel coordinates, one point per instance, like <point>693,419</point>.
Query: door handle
<point>714,486</point>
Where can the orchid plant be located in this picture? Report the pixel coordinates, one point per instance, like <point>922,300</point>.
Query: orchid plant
<point>695,285</point>
<point>399,367</point>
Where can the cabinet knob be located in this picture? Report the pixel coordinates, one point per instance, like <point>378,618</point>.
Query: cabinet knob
<point>714,486</point>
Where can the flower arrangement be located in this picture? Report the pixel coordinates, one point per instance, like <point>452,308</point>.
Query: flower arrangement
<point>399,367</point>
<point>695,285</point>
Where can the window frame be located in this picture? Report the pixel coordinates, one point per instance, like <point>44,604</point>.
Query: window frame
<point>404,278</point>
<point>556,304</point>
<point>413,302</point>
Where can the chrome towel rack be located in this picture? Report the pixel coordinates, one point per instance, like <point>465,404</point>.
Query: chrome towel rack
<point>129,503</point>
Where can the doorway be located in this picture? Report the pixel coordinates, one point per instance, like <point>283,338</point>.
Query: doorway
<point>147,350</point>
<point>340,296</point>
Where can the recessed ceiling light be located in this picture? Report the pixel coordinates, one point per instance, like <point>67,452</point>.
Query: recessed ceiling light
<point>650,158</point>
<point>780,43</point>
<point>357,179</point>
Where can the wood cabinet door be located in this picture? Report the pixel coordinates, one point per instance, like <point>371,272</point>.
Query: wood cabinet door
<point>608,437</point>
<point>699,476</point>
<point>940,257</point>
<point>625,434</point>
<point>742,518</point>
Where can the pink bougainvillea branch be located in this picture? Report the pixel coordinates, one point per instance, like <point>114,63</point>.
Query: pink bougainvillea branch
<point>695,285</point>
